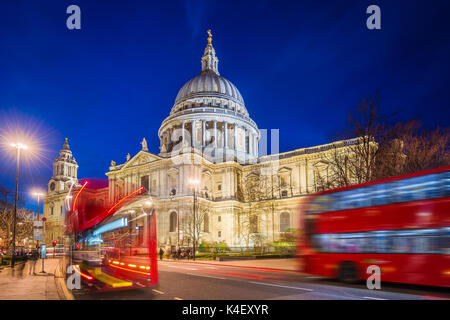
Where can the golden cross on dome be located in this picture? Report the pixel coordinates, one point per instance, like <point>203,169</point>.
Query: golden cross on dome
<point>209,36</point>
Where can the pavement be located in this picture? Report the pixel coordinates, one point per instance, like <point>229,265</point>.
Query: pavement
<point>271,279</point>
<point>287,264</point>
<point>19,284</point>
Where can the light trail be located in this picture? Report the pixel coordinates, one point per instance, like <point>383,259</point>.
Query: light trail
<point>123,199</point>
<point>78,194</point>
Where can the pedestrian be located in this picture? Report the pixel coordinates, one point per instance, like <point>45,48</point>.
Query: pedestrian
<point>179,253</point>
<point>34,257</point>
<point>188,252</point>
<point>161,253</point>
<point>174,253</point>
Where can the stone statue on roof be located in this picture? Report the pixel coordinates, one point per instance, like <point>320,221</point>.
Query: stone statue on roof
<point>144,145</point>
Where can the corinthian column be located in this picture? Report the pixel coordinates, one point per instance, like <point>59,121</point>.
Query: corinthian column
<point>203,133</point>
<point>215,134</point>
<point>235,137</point>
<point>194,127</point>
<point>182,133</point>
<point>225,135</point>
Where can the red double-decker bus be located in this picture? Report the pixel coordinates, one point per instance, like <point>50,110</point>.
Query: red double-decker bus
<point>111,247</point>
<point>400,224</point>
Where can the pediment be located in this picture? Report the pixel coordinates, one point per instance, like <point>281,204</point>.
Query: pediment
<point>284,170</point>
<point>142,157</point>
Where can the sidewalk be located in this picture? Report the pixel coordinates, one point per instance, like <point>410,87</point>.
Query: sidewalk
<point>18,284</point>
<point>288,264</point>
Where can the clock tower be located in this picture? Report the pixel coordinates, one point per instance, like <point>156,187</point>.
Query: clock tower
<point>64,171</point>
<point>64,175</point>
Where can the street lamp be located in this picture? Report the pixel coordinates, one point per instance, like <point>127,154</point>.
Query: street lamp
<point>194,183</point>
<point>172,196</point>
<point>18,147</point>
<point>38,195</point>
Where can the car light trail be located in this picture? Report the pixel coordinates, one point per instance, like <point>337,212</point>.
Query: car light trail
<point>84,275</point>
<point>124,198</point>
<point>130,270</point>
<point>76,197</point>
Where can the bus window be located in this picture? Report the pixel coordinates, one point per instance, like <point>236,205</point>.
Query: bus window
<point>419,188</point>
<point>378,195</point>
<point>445,241</point>
<point>428,242</point>
<point>357,198</point>
<point>352,199</point>
<point>381,241</point>
<point>445,176</point>
<point>321,204</point>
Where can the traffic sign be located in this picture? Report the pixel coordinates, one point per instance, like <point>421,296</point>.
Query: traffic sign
<point>38,230</point>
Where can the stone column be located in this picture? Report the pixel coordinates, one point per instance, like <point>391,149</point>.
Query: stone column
<point>225,135</point>
<point>235,137</point>
<point>194,122</point>
<point>304,176</point>
<point>246,150</point>
<point>182,133</point>
<point>215,134</point>
<point>203,133</point>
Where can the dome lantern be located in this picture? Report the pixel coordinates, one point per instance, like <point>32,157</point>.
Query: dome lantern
<point>209,60</point>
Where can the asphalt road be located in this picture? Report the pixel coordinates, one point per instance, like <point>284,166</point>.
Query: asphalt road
<point>193,281</point>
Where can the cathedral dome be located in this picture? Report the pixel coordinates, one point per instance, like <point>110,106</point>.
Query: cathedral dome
<point>209,114</point>
<point>209,89</point>
<point>209,84</point>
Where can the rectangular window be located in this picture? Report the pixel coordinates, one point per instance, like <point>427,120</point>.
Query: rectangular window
<point>51,211</point>
<point>219,218</point>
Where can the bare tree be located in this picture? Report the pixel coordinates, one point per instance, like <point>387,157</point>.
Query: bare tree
<point>381,150</point>
<point>24,227</point>
<point>202,217</point>
<point>259,191</point>
<point>251,193</point>
<point>410,148</point>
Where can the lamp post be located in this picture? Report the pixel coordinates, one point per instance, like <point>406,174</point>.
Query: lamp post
<point>18,147</point>
<point>194,183</point>
<point>38,195</point>
<point>172,196</point>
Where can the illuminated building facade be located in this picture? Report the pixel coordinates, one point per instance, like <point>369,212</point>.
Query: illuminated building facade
<point>210,137</point>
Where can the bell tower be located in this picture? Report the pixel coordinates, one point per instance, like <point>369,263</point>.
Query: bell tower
<point>64,171</point>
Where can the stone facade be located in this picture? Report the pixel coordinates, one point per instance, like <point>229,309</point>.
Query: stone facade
<point>209,137</point>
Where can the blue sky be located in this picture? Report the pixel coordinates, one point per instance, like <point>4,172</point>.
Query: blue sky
<point>300,66</point>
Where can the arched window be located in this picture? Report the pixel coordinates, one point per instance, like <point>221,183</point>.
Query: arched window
<point>285,221</point>
<point>173,221</point>
<point>206,223</point>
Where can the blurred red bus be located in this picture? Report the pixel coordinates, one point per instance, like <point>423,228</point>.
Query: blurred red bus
<point>400,224</point>
<point>111,248</point>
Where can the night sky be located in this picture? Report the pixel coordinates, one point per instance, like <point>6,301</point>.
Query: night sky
<point>299,65</point>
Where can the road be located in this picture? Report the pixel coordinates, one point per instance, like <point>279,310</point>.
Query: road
<point>194,281</point>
